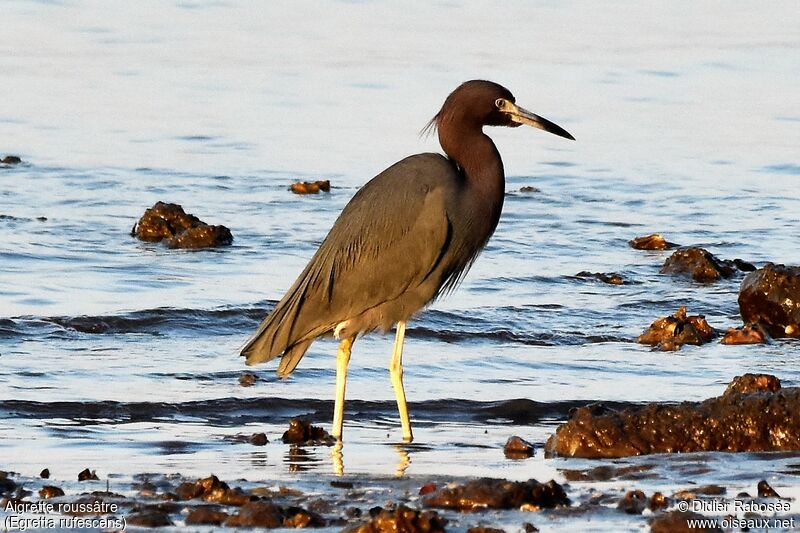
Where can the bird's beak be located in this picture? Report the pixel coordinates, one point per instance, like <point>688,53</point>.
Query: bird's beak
<point>523,116</point>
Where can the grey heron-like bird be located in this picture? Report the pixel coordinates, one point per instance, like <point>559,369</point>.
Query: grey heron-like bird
<point>407,236</point>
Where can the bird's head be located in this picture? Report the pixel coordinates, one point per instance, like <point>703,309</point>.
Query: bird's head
<point>479,103</point>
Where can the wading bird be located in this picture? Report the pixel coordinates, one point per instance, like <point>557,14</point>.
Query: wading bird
<point>407,237</point>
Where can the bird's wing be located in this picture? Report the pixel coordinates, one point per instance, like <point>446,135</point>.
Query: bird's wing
<point>388,239</point>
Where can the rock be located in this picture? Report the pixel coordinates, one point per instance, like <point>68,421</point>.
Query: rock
<point>699,264</point>
<point>678,522</point>
<point>672,332</point>
<point>481,529</point>
<point>211,489</point>
<point>610,278</point>
<point>401,520</point>
<point>206,515</point>
<point>518,448</point>
<point>310,187</point>
<point>87,475</point>
<point>748,383</point>
<point>656,241</point>
<point>45,474</point>
<point>634,502</point>
<point>149,518</point>
<point>7,485</point>
<point>302,432</point>
<point>770,297</point>
<point>498,494</point>
<point>765,491</point>
<point>49,491</point>
<point>258,439</point>
<point>297,517</point>
<point>658,502</point>
<point>339,484</point>
<point>529,189</point>
<point>527,527</point>
<point>257,514</point>
<point>247,379</point>
<point>427,488</point>
<point>750,334</point>
<point>169,222</point>
<point>766,420</point>
<point>11,160</point>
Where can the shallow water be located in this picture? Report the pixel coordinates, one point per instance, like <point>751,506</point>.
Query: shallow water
<point>121,355</point>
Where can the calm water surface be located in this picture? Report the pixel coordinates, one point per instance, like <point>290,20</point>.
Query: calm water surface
<point>122,355</point>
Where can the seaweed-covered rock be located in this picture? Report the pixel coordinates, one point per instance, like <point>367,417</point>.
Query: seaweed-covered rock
<point>518,448</point>
<point>211,489</point>
<point>50,491</point>
<point>401,520</point>
<point>87,475</point>
<point>762,420</point>
<point>498,494</point>
<point>206,515</point>
<point>770,297</point>
<point>170,223</point>
<point>678,522</point>
<point>656,241</point>
<point>310,187</point>
<point>148,518</point>
<point>634,502</point>
<point>749,334</point>
<point>672,332</point>
<point>257,514</point>
<point>699,264</point>
<point>302,432</point>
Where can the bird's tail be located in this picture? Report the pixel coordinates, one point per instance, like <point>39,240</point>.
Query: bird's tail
<point>282,332</point>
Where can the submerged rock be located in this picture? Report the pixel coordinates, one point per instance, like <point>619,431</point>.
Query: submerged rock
<point>11,160</point>
<point>170,223</point>
<point>762,418</point>
<point>498,494</point>
<point>401,520</point>
<point>672,332</point>
<point>656,241</point>
<point>699,264</point>
<point>770,298</point>
<point>750,334</point>
<point>518,448</point>
<point>611,278</point>
<point>310,187</point>
<point>302,432</point>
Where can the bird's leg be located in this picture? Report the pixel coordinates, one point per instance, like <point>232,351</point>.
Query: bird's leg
<point>342,358</point>
<point>396,373</point>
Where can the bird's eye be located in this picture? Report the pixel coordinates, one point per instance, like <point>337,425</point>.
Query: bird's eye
<point>500,103</point>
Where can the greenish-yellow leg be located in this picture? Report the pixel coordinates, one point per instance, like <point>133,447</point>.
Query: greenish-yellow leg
<point>342,359</point>
<point>396,373</point>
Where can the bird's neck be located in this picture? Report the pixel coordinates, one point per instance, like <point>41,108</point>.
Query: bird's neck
<point>480,161</point>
